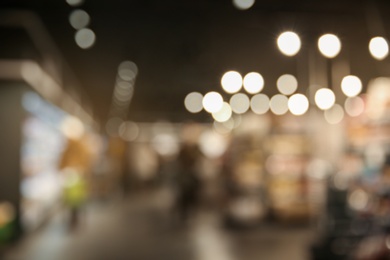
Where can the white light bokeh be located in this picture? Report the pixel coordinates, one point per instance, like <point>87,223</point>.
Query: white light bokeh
<point>298,104</point>
<point>334,115</point>
<point>85,38</point>
<point>287,84</point>
<point>128,65</point>
<point>112,126</point>
<point>351,86</point>
<point>279,104</point>
<point>74,2</point>
<point>72,127</point>
<point>354,106</point>
<point>212,102</point>
<point>212,144</point>
<point>324,98</point>
<point>329,45</point>
<point>128,131</point>
<point>289,43</point>
<point>253,82</point>
<point>166,144</point>
<point>231,82</point>
<point>193,102</point>
<point>79,19</point>
<point>239,103</point>
<point>243,4</point>
<point>379,48</point>
<point>224,114</point>
<point>260,104</point>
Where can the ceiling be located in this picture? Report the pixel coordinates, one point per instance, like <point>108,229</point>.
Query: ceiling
<point>184,46</point>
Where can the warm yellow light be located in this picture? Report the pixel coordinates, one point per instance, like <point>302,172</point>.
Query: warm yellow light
<point>239,103</point>
<point>298,104</point>
<point>231,82</point>
<point>243,4</point>
<point>260,104</point>
<point>334,115</point>
<point>279,104</point>
<point>212,102</point>
<point>253,82</point>
<point>324,98</point>
<point>329,45</point>
<point>287,84</point>
<point>289,43</point>
<point>85,38</point>
<point>354,106</point>
<point>379,48</point>
<point>224,114</point>
<point>193,102</point>
<point>351,86</point>
<point>72,127</point>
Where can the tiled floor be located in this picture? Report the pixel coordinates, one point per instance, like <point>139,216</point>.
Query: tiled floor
<point>139,228</point>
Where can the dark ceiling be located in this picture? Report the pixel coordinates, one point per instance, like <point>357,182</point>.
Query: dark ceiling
<point>183,46</point>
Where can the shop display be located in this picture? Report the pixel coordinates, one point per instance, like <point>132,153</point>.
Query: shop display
<point>42,146</point>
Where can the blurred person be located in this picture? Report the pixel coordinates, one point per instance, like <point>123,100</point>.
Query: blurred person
<point>187,179</point>
<point>75,165</point>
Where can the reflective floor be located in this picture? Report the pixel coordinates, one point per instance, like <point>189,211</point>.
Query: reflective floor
<point>141,227</point>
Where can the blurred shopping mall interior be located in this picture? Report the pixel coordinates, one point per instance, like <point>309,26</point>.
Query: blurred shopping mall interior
<point>203,129</point>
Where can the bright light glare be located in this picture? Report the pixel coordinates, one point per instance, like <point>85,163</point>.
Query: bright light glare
<point>85,38</point>
<point>354,106</point>
<point>329,45</point>
<point>231,82</point>
<point>212,102</point>
<point>287,84</point>
<point>279,104</point>
<point>224,114</point>
<point>324,98</point>
<point>260,104</point>
<point>72,127</point>
<point>379,48</point>
<point>334,115</point>
<point>298,104</point>
<point>243,4</point>
<point>79,19</point>
<point>351,86</point>
<point>193,102</point>
<point>239,103</point>
<point>289,43</point>
<point>253,82</point>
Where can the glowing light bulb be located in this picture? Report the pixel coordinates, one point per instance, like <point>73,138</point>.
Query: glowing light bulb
<point>329,45</point>
<point>212,102</point>
<point>224,114</point>
<point>253,82</point>
<point>379,48</point>
<point>289,43</point>
<point>324,98</point>
<point>351,86</point>
<point>231,82</point>
<point>298,104</point>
